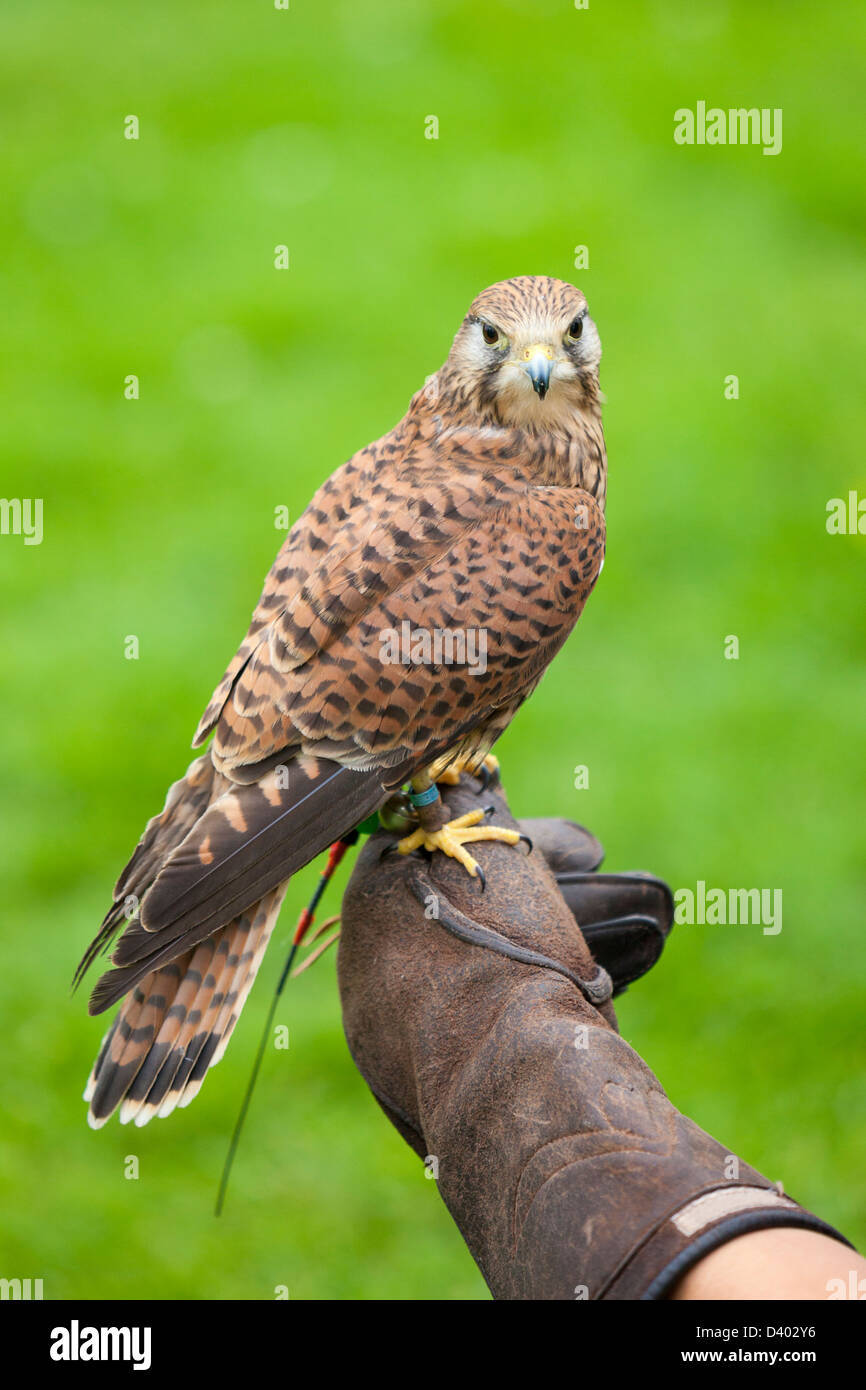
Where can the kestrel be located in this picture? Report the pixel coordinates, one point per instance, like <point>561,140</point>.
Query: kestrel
<point>481,513</point>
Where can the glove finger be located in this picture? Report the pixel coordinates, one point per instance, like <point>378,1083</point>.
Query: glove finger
<point>567,846</point>
<point>625,919</point>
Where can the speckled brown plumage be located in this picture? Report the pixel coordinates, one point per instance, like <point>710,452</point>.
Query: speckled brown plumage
<point>481,511</point>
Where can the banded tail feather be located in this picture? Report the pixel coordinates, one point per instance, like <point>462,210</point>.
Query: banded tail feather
<point>176,1023</point>
<point>186,801</point>
<point>210,874</point>
<point>247,842</point>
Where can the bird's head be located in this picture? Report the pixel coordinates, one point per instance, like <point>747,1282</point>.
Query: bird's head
<point>527,355</point>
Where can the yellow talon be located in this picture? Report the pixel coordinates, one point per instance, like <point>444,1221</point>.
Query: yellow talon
<point>451,837</point>
<point>450,776</point>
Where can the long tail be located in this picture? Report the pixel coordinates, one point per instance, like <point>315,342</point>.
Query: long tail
<point>176,1023</point>
<point>195,907</point>
<point>246,842</point>
<point>186,802</point>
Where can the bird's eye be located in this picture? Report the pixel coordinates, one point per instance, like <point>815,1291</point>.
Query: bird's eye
<point>575,328</point>
<point>489,333</point>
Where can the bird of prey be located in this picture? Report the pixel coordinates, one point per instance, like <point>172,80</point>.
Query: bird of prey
<point>481,512</point>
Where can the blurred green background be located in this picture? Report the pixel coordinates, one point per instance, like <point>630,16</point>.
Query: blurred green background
<point>155,257</point>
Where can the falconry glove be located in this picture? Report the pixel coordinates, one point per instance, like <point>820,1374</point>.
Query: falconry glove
<point>484,1027</point>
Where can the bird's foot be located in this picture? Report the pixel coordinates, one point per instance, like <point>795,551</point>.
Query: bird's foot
<point>451,838</point>
<point>487,770</point>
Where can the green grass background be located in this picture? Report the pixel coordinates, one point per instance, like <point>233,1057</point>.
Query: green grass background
<point>155,257</point>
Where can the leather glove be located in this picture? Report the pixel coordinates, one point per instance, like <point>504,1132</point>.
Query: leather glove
<point>625,918</point>
<point>484,1028</point>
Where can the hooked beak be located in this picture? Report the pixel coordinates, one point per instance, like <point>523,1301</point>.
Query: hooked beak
<point>538,364</point>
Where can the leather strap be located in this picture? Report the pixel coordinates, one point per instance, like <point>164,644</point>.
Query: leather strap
<point>597,989</point>
<point>707,1220</point>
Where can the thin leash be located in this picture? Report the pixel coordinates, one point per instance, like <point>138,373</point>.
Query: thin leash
<point>305,921</point>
